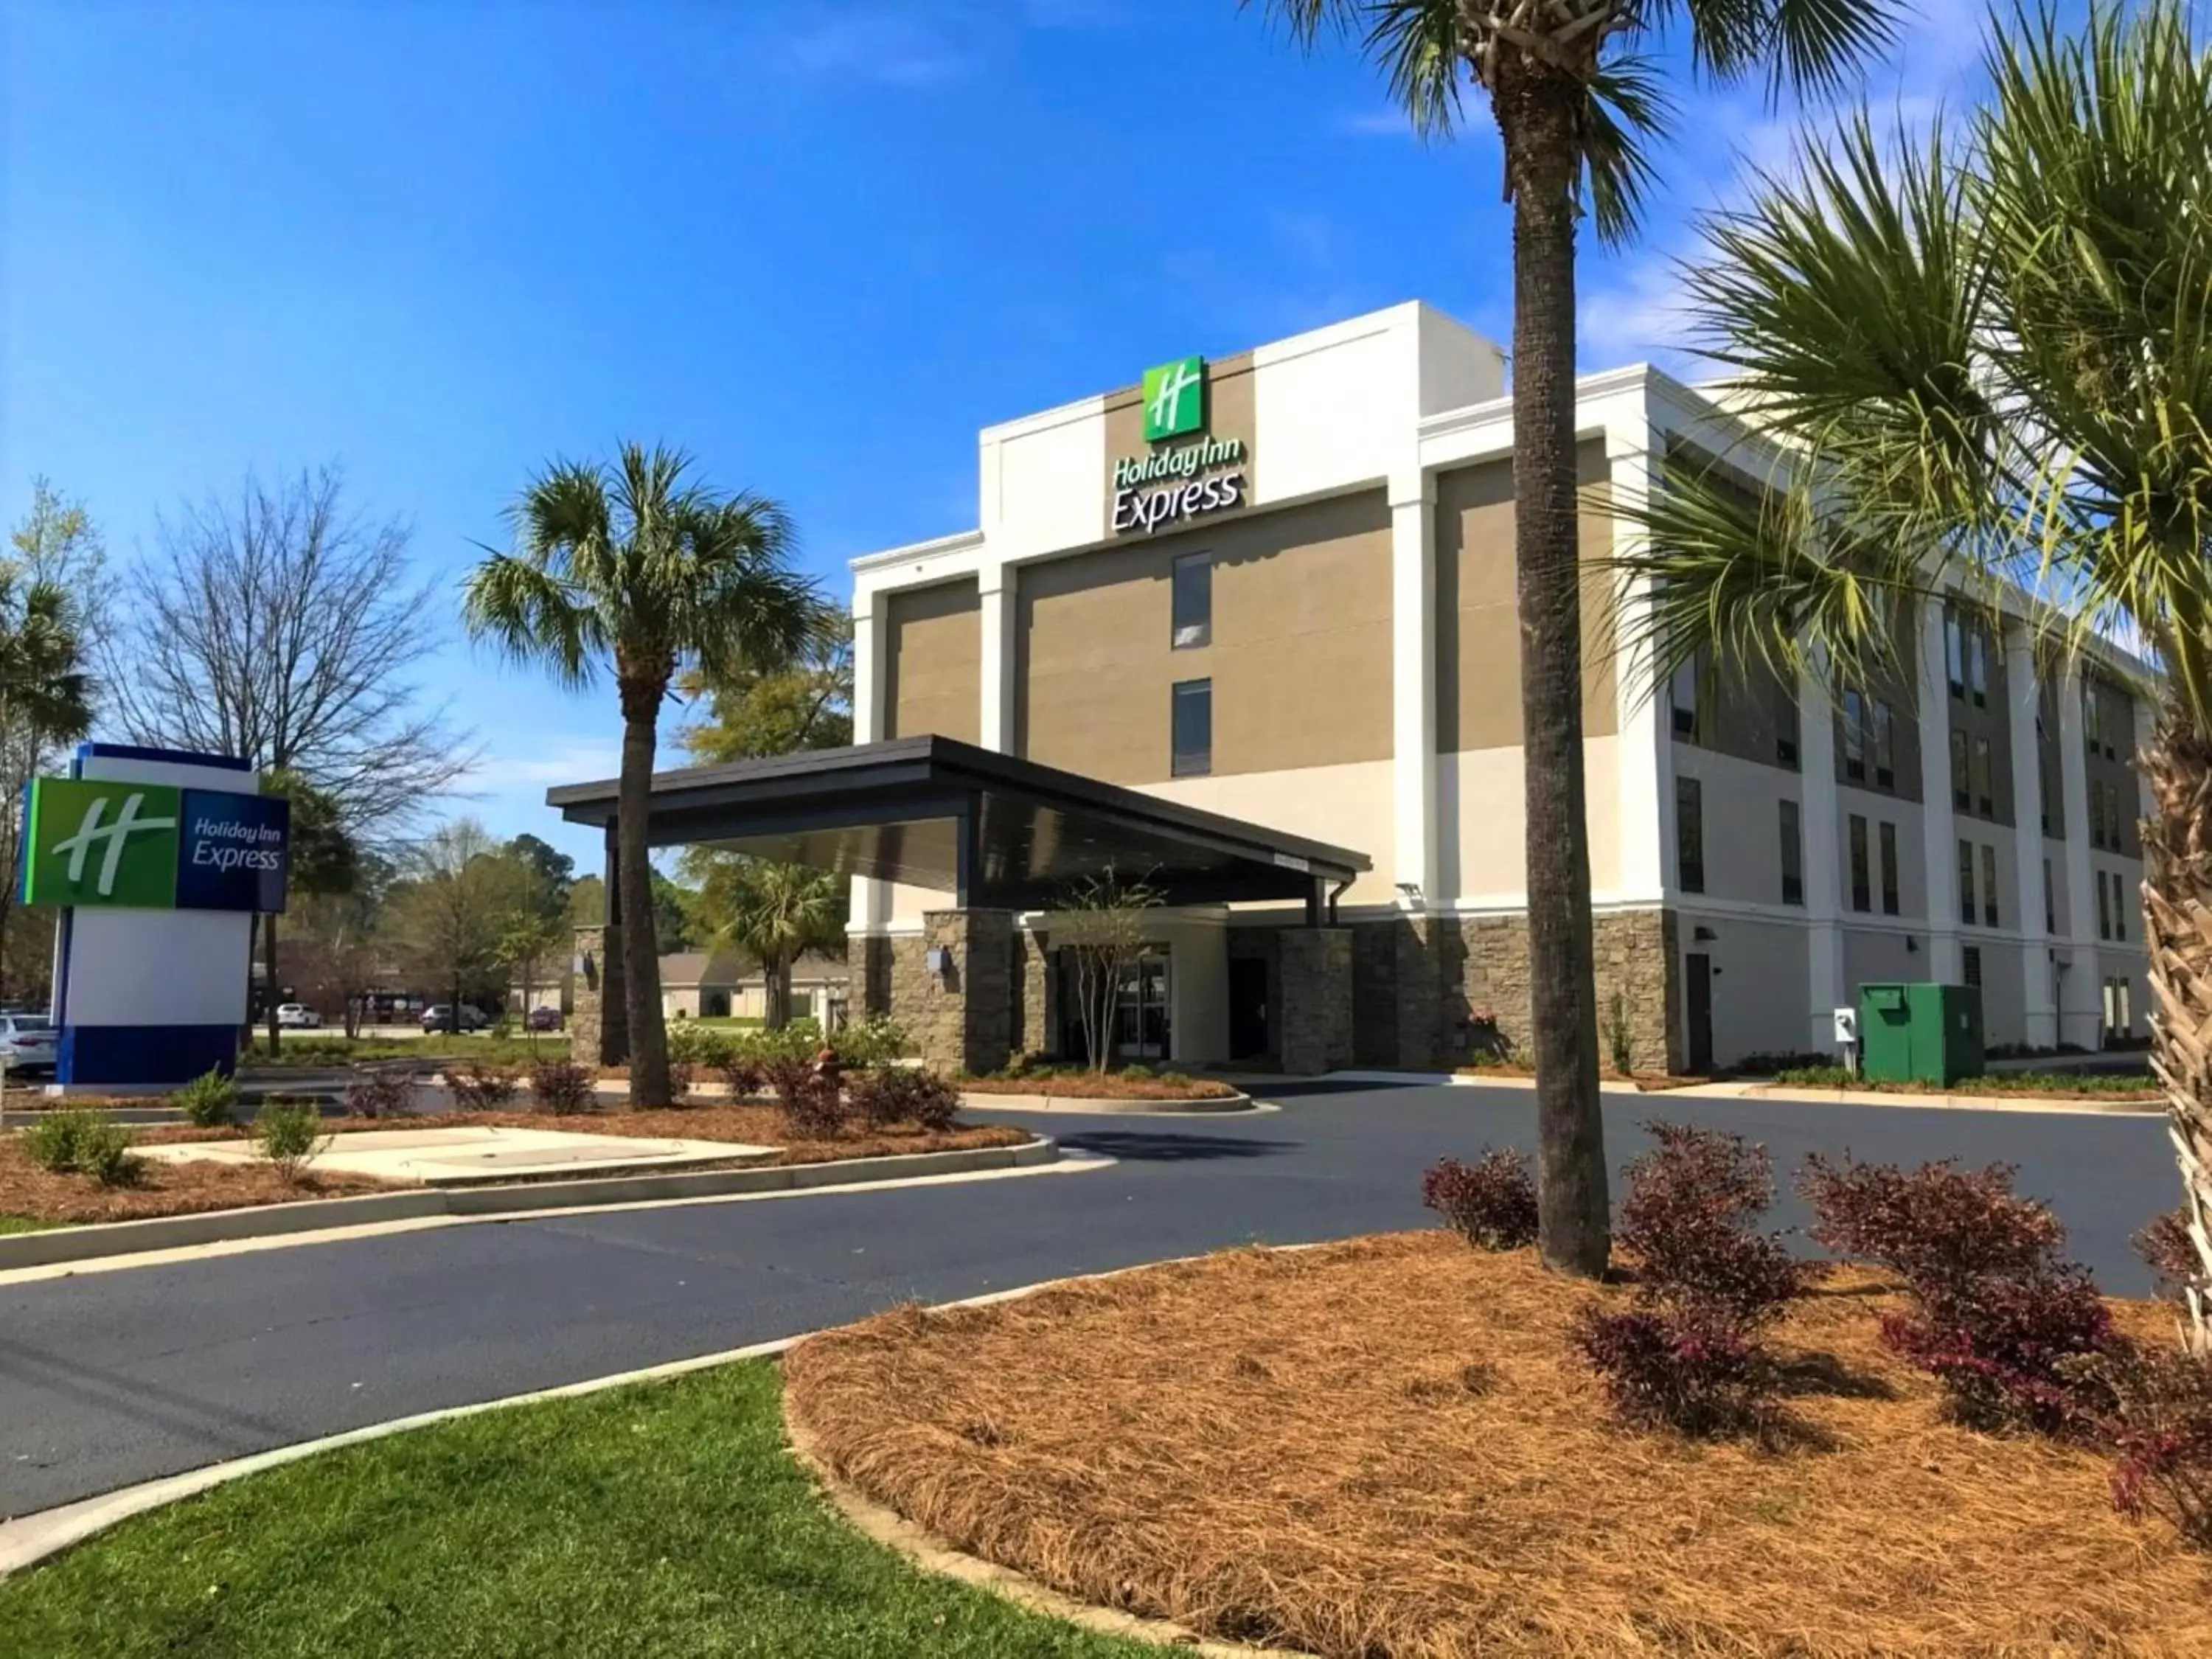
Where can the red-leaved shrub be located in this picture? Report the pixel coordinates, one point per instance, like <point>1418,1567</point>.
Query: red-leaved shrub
<point>2171,1254</point>
<point>1695,1374</point>
<point>562,1088</point>
<point>812,1106</point>
<point>885,1094</point>
<point>2159,1426</point>
<point>742,1073</point>
<point>1687,1357</point>
<point>1490,1203</point>
<point>2000,1320</point>
<point>380,1094</point>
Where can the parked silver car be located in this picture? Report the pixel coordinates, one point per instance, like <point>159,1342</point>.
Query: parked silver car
<point>26,1042</point>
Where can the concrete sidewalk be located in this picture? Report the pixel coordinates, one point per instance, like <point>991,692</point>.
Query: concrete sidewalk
<point>1747,1089</point>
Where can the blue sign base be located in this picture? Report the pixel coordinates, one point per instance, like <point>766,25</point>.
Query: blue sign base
<point>157,1055</point>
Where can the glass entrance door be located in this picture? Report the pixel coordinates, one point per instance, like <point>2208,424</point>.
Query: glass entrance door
<point>1140,1009</point>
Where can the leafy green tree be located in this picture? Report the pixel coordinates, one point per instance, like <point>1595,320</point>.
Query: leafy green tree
<point>324,863</point>
<point>775,912</point>
<point>50,588</point>
<point>587,902</point>
<point>1577,102</point>
<point>556,870</point>
<point>754,712</point>
<point>635,570</point>
<point>459,908</point>
<point>675,923</point>
<point>1989,358</point>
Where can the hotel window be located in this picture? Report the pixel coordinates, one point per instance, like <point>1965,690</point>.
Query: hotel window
<point>2044,785</point>
<point>1970,961</point>
<point>1193,600</point>
<point>2103,908</point>
<point>2050,901</point>
<point>1967,881</point>
<point>2119,907</point>
<point>1885,746</point>
<point>1785,727</point>
<point>1980,776</point>
<point>1978,665</point>
<point>2092,716</point>
<point>1192,729</point>
<point>2120,1018</point>
<point>1862,882</point>
<point>1793,855</point>
<point>1988,885</point>
<point>1690,834</point>
<point>1685,699</point>
<point>1853,737</point>
<point>1955,653</point>
<point>1889,869</point>
<point>1961,796</point>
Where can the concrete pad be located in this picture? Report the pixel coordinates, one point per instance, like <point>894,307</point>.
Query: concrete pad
<point>462,1157</point>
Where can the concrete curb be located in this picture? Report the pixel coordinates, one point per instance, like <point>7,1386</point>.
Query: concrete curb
<point>998,1103</point>
<point>2070,1104</point>
<point>97,1240</point>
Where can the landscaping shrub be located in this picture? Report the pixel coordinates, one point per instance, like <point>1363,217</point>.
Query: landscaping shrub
<point>1697,1375</point>
<point>866,1044</point>
<point>207,1100</point>
<point>1618,1048</point>
<point>2170,1254</point>
<point>1764,1064</point>
<point>562,1087</point>
<point>1687,1356</point>
<point>290,1133</point>
<point>2159,1427</point>
<point>812,1105</point>
<point>380,1094</point>
<point>82,1142</point>
<point>904,1094</point>
<point>1999,1318</point>
<point>690,1044</point>
<point>742,1073</point>
<point>1693,1203</point>
<point>480,1088</point>
<point>679,1081</point>
<point>1490,1203</point>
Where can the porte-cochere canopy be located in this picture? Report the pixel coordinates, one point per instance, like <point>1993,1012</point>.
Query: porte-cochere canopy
<point>995,831</point>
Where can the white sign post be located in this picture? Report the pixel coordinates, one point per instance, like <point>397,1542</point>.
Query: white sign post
<point>1847,1037</point>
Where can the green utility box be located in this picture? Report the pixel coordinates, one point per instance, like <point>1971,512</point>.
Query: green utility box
<point>1920,1033</point>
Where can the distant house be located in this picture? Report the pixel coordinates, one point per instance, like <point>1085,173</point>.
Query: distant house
<point>718,985</point>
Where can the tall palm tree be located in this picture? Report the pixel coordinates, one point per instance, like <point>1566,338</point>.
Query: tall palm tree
<point>635,567</point>
<point>1576,100</point>
<point>1983,359</point>
<point>46,694</point>
<point>774,913</point>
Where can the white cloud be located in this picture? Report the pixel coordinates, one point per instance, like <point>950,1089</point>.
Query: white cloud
<point>871,43</point>
<point>1385,123</point>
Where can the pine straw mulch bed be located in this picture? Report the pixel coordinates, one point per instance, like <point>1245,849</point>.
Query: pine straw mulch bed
<point>160,1190</point>
<point>1381,1447</point>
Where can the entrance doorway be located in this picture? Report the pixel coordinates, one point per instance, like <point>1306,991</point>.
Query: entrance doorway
<point>1698,995</point>
<point>1248,1007</point>
<point>1141,1010</point>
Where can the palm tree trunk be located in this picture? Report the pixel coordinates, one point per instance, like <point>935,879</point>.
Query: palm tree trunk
<point>775,993</point>
<point>2178,903</point>
<point>648,1035</point>
<point>1536,115</point>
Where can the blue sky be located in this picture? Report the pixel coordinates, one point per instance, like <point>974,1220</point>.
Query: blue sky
<point>818,244</point>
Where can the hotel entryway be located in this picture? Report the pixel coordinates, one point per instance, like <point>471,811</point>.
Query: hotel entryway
<point>1138,1011</point>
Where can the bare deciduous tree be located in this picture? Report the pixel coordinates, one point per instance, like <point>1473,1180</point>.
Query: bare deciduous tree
<point>279,626</point>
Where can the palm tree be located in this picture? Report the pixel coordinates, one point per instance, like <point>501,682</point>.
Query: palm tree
<point>1576,101</point>
<point>633,566</point>
<point>1991,359</point>
<point>775,912</point>
<point>45,696</point>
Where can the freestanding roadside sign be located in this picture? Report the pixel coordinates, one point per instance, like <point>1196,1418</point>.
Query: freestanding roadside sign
<point>159,861</point>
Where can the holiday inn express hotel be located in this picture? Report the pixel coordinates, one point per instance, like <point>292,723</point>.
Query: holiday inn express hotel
<point>1279,587</point>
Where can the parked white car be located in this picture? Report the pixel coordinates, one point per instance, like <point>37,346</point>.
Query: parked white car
<point>298,1017</point>
<point>26,1042</point>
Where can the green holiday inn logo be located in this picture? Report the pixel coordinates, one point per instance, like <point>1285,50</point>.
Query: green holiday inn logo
<point>102,843</point>
<point>1175,399</point>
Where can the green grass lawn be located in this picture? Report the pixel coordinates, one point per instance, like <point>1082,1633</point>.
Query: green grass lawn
<point>2121,1083</point>
<point>720,1023</point>
<point>25,1223</point>
<point>658,1520</point>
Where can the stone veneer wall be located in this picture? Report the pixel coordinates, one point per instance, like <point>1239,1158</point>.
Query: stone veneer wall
<point>1315,1031</point>
<point>962,1019</point>
<point>1482,967</point>
<point>598,1026</point>
<point>1036,1015</point>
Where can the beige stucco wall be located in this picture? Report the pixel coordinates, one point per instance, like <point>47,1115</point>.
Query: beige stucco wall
<point>1878,809</point>
<point>1879,957</point>
<point>1761,981</point>
<point>934,662</point>
<point>1482,820</point>
<point>1742,822</point>
<point>1477,616</point>
<point>1347,806</point>
<point>1299,657</point>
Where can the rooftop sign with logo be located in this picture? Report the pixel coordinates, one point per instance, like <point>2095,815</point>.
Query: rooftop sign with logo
<point>101,844</point>
<point>1177,481</point>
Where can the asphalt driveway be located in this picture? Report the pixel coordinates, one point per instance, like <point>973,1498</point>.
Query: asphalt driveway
<point>108,1379</point>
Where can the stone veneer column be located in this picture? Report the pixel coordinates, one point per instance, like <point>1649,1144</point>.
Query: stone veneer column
<point>1316,999</point>
<point>1420,994</point>
<point>598,1026</point>
<point>962,1018</point>
<point>2039,1013</point>
<point>1037,1023</point>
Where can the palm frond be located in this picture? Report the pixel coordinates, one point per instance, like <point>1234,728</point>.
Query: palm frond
<point>532,616</point>
<point>1627,104</point>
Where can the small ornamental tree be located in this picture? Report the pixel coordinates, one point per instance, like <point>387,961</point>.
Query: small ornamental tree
<point>1103,926</point>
